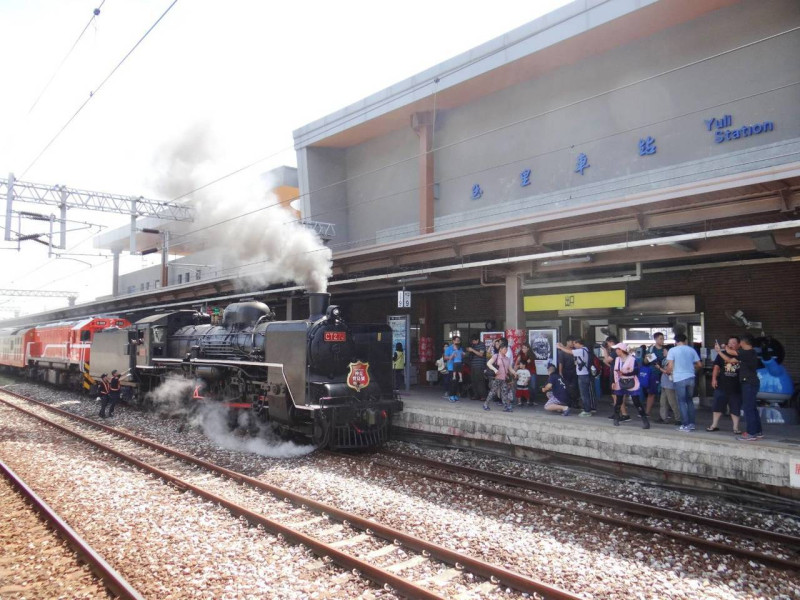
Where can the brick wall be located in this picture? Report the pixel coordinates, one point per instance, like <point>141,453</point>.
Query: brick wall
<point>768,293</point>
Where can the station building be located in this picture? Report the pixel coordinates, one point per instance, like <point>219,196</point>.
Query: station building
<point>612,167</point>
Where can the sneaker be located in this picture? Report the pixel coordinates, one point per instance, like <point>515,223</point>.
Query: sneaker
<point>746,437</point>
<point>583,413</point>
<point>565,413</point>
<point>681,428</point>
<point>691,427</point>
<point>660,420</point>
<point>759,435</point>
<point>486,407</point>
<point>624,418</point>
<point>508,409</point>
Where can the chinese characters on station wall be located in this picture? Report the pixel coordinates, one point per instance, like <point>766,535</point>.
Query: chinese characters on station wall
<point>721,128</point>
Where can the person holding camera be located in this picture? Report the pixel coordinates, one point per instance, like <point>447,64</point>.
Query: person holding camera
<point>556,392</point>
<point>503,383</point>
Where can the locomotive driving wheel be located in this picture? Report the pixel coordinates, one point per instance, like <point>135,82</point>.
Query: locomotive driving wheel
<point>321,431</point>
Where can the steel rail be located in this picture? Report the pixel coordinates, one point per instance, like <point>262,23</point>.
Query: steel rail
<point>115,582</point>
<point>321,549</point>
<point>618,503</point>
<point>717,547</point>
<point>479,567</point>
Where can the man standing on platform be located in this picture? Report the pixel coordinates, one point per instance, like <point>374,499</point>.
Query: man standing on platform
<point>725,381</point>
<point>682,363</point>
<point>477,363</point>
<point>582,362</point>
<point>749,364</point>
<point>567,370</point>
<point>654,358</point>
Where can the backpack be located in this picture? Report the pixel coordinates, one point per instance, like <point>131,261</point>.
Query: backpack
<point>596,366</point>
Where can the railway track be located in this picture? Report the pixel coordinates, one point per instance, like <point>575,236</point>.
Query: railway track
<point>113,581</point>
<point>359,544</point>
<point>470,476</point>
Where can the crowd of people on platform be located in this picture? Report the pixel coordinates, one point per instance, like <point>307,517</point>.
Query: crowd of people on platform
<point>638,376</point>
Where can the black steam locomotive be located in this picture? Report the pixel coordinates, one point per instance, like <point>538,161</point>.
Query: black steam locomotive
<point>318,378</point>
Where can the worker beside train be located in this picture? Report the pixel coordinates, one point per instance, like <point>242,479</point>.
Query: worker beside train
<point>102,394</point>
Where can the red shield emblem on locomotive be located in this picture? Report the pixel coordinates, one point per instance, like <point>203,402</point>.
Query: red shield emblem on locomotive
<point>358,378</point>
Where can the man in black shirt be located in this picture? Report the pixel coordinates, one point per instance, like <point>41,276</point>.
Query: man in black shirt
<point>477,355</point>
<point>567,370</point>
<point>727,389</point>
<point>749,363</point>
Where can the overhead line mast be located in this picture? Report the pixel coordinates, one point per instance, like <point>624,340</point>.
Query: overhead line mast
<point>66,197</point>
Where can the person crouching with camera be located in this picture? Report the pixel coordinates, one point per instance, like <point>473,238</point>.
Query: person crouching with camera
<point>556,392</point>
<point>503,383</point>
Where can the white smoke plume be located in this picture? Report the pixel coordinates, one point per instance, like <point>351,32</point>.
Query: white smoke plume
<point>173,398</point>
<point>213,420</point>
<point>267,245</point>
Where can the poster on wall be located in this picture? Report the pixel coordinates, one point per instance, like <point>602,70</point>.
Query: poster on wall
<point>515,339</point>
<point>543,345</point>
<point>488,338</point>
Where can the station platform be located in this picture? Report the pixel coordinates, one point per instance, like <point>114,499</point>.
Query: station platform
<point>661,452</point>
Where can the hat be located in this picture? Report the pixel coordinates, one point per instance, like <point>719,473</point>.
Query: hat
<point>621,346</point>
<point>550,366</point>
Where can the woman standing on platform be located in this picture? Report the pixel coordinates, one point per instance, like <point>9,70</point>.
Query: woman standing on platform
<point>502,384</point>
<point>625,383</point>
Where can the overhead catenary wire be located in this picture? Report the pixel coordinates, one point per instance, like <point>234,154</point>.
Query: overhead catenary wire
<point>175,241</point>
<point>92,19</point>
<point>98,88</point>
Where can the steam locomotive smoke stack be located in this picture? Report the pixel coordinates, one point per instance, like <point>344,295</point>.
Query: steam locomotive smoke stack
<point>317,305</point>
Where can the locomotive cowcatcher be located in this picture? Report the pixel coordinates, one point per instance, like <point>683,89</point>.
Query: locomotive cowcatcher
<point>318,378</point>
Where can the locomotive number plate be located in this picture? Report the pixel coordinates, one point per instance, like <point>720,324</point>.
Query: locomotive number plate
<point>335,336</point>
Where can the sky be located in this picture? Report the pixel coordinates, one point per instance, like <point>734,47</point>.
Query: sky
<point>244,72</point>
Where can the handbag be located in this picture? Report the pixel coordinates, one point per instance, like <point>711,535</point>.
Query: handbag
<point>627,383</point>
<point>488,373</point>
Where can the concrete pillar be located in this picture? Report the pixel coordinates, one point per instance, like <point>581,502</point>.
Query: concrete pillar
<point>115,276</point>
<point>515,312</point>
<point>423,125</point>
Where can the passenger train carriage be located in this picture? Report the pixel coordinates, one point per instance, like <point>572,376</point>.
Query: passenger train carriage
<point>59,353</point>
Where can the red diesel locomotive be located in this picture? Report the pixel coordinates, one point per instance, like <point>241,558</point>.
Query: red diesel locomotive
<point>59,353</point>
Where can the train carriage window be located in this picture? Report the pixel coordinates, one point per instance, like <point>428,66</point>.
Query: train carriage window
<point>86,335</point>
<point>158,335</point>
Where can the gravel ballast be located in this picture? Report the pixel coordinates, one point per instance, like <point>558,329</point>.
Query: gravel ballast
<point>591,559</point>
<point>167,544</point>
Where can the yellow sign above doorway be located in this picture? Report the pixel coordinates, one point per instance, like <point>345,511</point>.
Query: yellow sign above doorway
<point>575,301</point>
